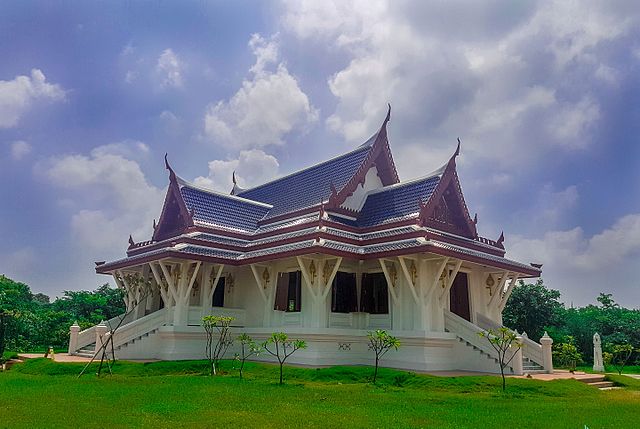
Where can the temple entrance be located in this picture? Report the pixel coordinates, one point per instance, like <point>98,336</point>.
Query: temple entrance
<point>459,297</point>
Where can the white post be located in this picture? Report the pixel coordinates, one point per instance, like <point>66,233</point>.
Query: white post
<point>547,358</point>
<point>101,335</point>
<point>73,337</point>
<point>516,363</point>
<point>598,364</point>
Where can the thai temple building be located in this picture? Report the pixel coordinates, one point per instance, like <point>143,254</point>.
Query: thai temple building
<point>325,254</point>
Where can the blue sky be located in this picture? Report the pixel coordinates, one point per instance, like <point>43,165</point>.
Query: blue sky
<point>544,95</point>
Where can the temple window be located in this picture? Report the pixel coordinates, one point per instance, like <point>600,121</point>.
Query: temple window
<point>374,297</point>
<point>288,291</point>
<point>344,297</point>
<point>218,294</point>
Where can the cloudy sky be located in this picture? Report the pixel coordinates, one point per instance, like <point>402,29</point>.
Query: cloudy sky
<point>544,95</point>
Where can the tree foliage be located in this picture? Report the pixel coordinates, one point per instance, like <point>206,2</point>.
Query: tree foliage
<point>531,308</point>
<point>505,343</point>
<point>35,323</point>
<point>248,348</point>
<point>281,347</point>
<point>620,355</point>
<point>566,354</point>
<point>218,338</point>
<point>380,342</point>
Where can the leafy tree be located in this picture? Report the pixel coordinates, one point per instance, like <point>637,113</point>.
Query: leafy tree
<point>532,308</point>
<point>504,341</point>
<point>248,348</point>
<point>567,354</point>
<point>283,347</point>
<point>381,342</point>
<point>218,338</point>
<point>621,353</point>
<point>3,318</point>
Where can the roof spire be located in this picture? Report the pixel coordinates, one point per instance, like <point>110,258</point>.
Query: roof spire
<point>500,239</point>
<point>457,149</point>
<point>131,242</point>
<point>388,114</point>
<point>172,174</point>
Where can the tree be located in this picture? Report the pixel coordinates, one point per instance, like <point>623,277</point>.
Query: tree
<point>4,316</point>
<point>621,355</point>
<point>567,354</point>
<point>532,308</point>
<point>381,342</point>
<point>504,341</point>
<point>248,348</point>
<point>218,338</point>
<point>283,347</point>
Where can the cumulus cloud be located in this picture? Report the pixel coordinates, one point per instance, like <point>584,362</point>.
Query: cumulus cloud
<point>19,94</point>
<point>252,167</point>
<point>20,149</point>
<point>111,196</point>
<point>498,79</point>
<point>268,106</point>
<point>170,69</point>
<point>581,265</point>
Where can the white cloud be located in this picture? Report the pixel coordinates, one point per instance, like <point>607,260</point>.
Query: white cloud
<point>20,149</point>
<point>499,80</point>
<point>268,106</point>
<point>170,69</point>
<point>252,168</point>
<point>19,263</point>
<point>111,196</point>
<point>581,266</point>
<point>18,95</point>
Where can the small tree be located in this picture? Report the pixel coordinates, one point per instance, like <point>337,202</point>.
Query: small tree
<point>621,353</point>
<point>248,348</point>
<point>504,341</point>
<point>381,342</point>
<point>218,339</point>
<point>567,354</point>
<point>283,347</point>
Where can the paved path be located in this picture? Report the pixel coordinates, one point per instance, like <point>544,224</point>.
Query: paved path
<point>58,357</point>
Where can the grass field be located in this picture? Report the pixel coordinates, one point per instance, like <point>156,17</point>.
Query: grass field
<point>630,369</point>
<point>41,393</point>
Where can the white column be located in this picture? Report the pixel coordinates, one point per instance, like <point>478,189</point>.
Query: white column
<point>516,363</point>
<point>73,337</point>
<point>547,357</point>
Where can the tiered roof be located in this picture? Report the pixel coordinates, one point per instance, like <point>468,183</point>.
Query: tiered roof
<point>305,212</point>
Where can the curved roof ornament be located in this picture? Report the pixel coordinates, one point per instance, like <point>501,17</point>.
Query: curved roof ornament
<point>233,178</point>
<point>457,152</point>
<point>388,114</point>
<point>172,174</point>
<point>235,190</point>
<point>500,239</point>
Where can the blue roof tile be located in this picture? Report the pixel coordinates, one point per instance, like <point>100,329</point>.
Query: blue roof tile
<point>308,187</point>
<point>396,202</point>
<point>223,210</point>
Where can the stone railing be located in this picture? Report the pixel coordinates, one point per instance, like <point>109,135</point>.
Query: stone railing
<point>80,339</point>
<point>471,334</point>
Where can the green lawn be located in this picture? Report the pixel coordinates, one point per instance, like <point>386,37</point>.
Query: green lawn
<point>630,369</point>
<point>40,393</point>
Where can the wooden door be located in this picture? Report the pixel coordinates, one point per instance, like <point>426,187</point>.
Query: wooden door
<point>459,297</point>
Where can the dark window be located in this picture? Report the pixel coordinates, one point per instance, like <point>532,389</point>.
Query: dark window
<point>288,291</point>
<point>344,298</point>
<point>374,297</point>
<point>218,294</point>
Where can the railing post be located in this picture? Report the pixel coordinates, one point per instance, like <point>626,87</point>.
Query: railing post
<point>516,363</point>
<point>73,337</point>
<point>101,335</point>
<point>546,341</point>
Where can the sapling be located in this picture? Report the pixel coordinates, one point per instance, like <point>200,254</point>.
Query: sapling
<point>381,342</point>
<point>248,348</point>
<point>505,342</point>
<point>218,339</point>
<point>282,347</point>
<point>621,353</point>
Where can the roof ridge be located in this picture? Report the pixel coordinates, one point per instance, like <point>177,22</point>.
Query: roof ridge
<point>431,175</point>
<point>182,182</point>
<point>358,149</point>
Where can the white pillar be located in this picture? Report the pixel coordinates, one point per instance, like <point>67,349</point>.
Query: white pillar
<point>516,363</point>
<point>547,358</point>
<point>598,364</point>
<point>101,335</point>
<point>73,337</point>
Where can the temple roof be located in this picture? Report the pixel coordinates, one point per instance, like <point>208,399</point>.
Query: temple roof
<point>331,207</point>
<point>310,186</point>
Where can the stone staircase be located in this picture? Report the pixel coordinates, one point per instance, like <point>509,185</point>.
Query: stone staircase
<point>484,354</point>
<point>87,351</point>
<point>139,338</point>
<point>598,381</point>
<point>530,367</point>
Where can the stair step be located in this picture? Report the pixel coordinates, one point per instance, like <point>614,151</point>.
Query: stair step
<point>601,384</point>
<point>592,379</point>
